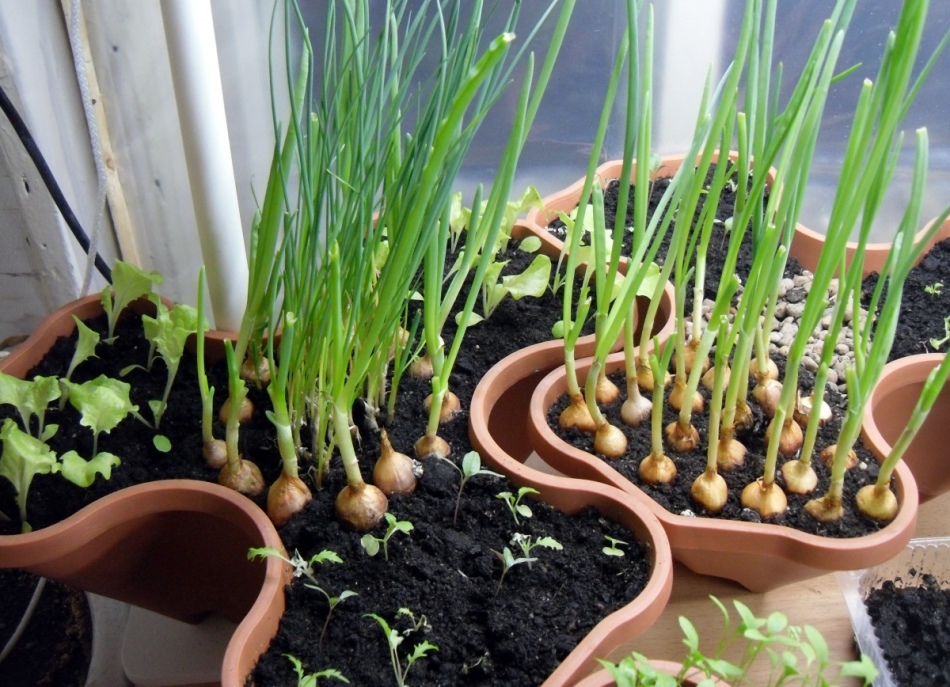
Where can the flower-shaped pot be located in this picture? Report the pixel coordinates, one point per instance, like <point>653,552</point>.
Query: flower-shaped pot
<point>758,556</point>
<point>176,547</point>
<point>892,402</point>
<point>497,430</point>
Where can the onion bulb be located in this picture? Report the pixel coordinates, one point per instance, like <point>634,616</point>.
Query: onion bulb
<point>635,410</point>
<point>607,391</point>
<point>609,441</point>
<point>258,374</point>
<point>450,407</point>
<point>730,454</point>
<point>421,368</point>
<point>215,453</point>
<point>645,377</point>
<point>790,437</point>
<point>361,507</point>
<point>766,500</point>
<point>287,496</point>
<point>689,354</point>
<point>432,445</point>
<point>678,394</point>
<point>804,407</point>
<point>800,477</point>
<point>710,491</point>
<point>242,476</point>
<point>394,472</point>
<point>657,468</point>
<point>682,439</point>
<point>771,369</point>
<point>577,416</point>
<point>878,502</point>
<point>247,411</point>
<point>828,457</point>
<point>767,394</point>
<point>709,378</point>
<point>825,509</point>
<point>743,420</point>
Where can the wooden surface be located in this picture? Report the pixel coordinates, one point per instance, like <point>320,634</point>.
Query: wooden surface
<point>817,602</point>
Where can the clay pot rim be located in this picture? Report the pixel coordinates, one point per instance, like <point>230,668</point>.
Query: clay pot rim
<point>659,586</point>
<point>757,537</point>
<point>897,374</point>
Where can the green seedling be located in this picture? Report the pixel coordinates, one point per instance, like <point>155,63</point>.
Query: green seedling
<point>796,655</point>
<point>532,282</point>
<point>25,456</point>
<point>304,568</point>
<point>30,399</point>
<point>514,502</point>
<point>128,284</point>
<point>103,403</point>
<point>471,466</point>
<point>613,546</point>
<point>394,638</point>
<point>168,331</point>
<point>934,289</point>
<point>526,543</point>
<point>312,679</point>
<point>86,342</point>
<point>372,544</point>
<point>937,343</point>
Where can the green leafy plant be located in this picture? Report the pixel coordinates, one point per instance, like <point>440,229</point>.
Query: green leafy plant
<point>167,332</point>
<point>304,568</point>
<point>102,403</point>
<point>31,399</point>
<point>25,456</point>
<point>513,501</point>
<point>526,543</point>
<point>128,284</point>
<point>394,639</point>
<point>934,289</point>
<point>305,679</point>
<point>372,544</point>
<point>796,655</point>
<point>613,547</point>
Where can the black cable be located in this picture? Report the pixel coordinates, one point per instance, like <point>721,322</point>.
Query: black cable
<point>29,143</point>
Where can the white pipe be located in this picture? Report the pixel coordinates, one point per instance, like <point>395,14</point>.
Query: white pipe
<point>192,52</point>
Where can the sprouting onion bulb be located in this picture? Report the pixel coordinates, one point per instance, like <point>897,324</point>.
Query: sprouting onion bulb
<point>394,472</point>
<point>800,477</point>
<point>287,496</point>
<point>451,406</point>
<point>577,416</point>
<point>243,476</point>
<point>244,415</point>
<point>361,507</point>
<point>710,491</point>
<point>607,391</point>
<point>215,453</point>
<point>767,394</point>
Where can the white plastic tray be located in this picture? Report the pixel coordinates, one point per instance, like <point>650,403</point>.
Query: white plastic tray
<point>921,557</point>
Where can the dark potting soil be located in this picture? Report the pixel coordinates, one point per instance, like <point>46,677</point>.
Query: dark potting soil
<point>922,314</point>
<point>912,624</point>
<point>675,496</point>
<point>56,646</point>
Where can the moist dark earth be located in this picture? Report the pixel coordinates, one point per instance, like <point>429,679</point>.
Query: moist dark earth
<point>912,627</point>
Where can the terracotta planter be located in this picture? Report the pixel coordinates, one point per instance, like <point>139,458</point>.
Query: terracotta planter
<point>497,430</point>
<point>603,679</point>
<point>758,556</point>
<point>807,246</point>
<point>176,547</point>
<point>538,219</point>
<point>892,401</point>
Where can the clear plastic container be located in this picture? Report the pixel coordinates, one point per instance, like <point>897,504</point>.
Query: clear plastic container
<point>928,556</point>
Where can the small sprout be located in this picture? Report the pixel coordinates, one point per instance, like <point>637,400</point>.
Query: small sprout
<point>167,332</point>
<point>514,502</point>
<point>471,466</point>
<point>394,638</point>
<point>934,289</point>
<point>304,568</point>
<point>30,398</point>
<point>311,680</point>
<point>162,443</point>
<point>937,343</point>
<point>372,544</point>
<point>526,543</point>
<point>103,402</point>
<point>613,546</point>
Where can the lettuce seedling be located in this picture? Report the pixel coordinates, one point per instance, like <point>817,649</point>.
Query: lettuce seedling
<point>25,456</point>
<point>128,284</point>
<point>103,403</point>
<point>30,398</point>
<point>86,342</point>
<point>394,638</point>
<point>310,680</point>
<point>168,331</point>
<point>514,502</point>
<point>526,543</point>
